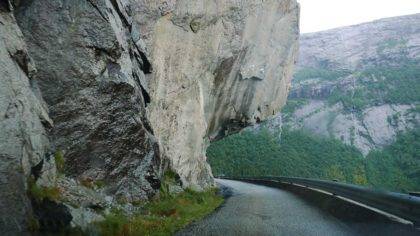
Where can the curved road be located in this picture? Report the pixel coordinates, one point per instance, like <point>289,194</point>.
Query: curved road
<point>259,210</point>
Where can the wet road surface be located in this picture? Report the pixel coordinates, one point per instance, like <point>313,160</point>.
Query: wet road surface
<point>258,210</point>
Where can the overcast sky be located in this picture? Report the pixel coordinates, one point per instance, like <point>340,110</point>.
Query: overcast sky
<point>317,15</point>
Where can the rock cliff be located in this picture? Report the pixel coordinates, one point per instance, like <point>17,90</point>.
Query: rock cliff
<point>358,84</point>
<point>99,97</point>
<point>24,145</point>
<point>218,66</point>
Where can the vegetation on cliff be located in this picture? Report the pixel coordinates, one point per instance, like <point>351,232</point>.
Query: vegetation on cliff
<point>299,154</point>
<point>381,85</point>
<point>165,215</point>
<point>296,153</point>
<point>398,165</point>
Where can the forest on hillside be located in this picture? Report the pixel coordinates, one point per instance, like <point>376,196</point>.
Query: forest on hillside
<point>298,153</point>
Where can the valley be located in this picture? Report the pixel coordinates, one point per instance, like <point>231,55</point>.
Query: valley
<point>352,114</point>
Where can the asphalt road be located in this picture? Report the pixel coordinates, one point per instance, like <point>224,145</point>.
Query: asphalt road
<point>259,210</point>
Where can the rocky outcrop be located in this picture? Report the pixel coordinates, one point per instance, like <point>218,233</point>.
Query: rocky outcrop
<point>131,88</point>
<point>375,127</point>
<point>217,67</point>
<point>89,71</point>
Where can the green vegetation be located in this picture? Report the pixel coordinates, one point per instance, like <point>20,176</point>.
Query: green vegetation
<point>297,153</point>
<point>314,73</point>
<point>40,193</point>
<point>391,44</point>
<point>382,85</point>
<point>163,216</point>
<point>59,161</point>
<point>291,106</point>
<point>169,178</point>
<point>33,224</point>
<point>397,167</point>
<point>300,154</point>
<point>399,85</point>
<point>376,85</point>
<point>92,184</point>
<point>392,78</point>
<point>351,101</point>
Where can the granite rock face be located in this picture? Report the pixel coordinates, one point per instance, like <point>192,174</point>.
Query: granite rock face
<point>89,73</point>
<point>379,43</point>
<point>24,144</point>
<point>218,66</point>
<point>125,89</point>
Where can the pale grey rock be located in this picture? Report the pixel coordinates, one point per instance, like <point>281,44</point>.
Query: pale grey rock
<point>375,129</point>
<point>73,193</point>
<point>84,217</point>
<point>320,121</point>
<point>83,203</point>
<point>218,66</point>
<point>351,130</point>
<point>24,144</point>
<point>381,126</point>
<point>313,107</point>
<point>359,46</point>
<point>174,189</point>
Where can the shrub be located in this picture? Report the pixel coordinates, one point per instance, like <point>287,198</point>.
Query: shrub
<point>40,193</point>
<point>59,161</point>
<point>163,216</point>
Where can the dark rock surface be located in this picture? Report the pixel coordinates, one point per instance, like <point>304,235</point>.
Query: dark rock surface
<point>88,70</point>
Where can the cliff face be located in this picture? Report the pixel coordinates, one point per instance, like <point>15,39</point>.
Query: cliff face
<point>23,138</point>
<point>358,84</point>
<point>379,43</point>
<point>123,90</point>
<point>89,72</point>
<point>217,67</point>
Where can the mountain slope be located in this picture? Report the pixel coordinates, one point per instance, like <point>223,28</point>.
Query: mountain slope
<point>352,114</point>
<point>359,84</point>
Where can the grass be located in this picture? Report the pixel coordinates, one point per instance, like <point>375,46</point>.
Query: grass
<point>164,216</point>
<point>40,193</point>
<point>59,161</point>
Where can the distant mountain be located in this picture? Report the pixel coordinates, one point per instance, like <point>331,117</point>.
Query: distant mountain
<point>352,115</point>
<point>359,84</point>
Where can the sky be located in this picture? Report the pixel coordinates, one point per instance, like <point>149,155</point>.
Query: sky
<point>317,15</point>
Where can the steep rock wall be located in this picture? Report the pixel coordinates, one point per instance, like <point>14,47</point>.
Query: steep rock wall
<point>130,88</point>
<point>24,145</point>
<point>89,70</point>
<point>218,66</point>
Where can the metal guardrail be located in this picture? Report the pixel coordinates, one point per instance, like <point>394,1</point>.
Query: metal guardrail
<point>404,206</point>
